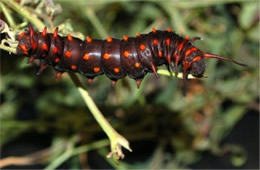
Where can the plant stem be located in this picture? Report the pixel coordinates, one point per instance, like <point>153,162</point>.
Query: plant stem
<point>25,13</point>
<point>95,21</point>
<point>71,151</point>
<point>115,138</point>
<point>167,73</point>
<point>7,15</point>
<point>92,107</point>
<point>91,146</point>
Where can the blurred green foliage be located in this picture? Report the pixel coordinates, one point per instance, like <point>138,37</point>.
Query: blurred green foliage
<point>157,111</point>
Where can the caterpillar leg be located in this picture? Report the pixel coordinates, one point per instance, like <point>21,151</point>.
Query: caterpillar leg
<point>90,80</point>
<point>58,75</point>
<point>31,59</point>
<point>195,38</point>
<point>113,83</point>
<point>42,67</point>
<point>138,83</point>
<point>155,71</point>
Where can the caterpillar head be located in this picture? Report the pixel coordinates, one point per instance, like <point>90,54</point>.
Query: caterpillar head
<point>198,65</point>
<point>198,68</point>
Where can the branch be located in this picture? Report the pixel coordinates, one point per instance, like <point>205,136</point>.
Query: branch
<point>24,13</point>
<point>115,138</point>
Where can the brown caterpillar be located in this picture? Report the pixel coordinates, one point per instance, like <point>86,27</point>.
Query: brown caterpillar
<point>116,58</point>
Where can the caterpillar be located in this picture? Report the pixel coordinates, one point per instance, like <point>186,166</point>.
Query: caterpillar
<point>116,58</point>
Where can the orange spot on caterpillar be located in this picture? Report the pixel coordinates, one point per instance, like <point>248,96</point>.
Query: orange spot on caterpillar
<point>196,58</point>
<point>33,44</point>
<point>86,57</point>
<point>109,39</point>
<point>181,46</point>
<point>116,70</point>
<point>169,30</point>
<point>155,41</point>
<point>31,32</point>
<point>24,48</point>
<point>44,31</point>
<point>58,75</point>
<point>138,34</point>
<point>142,47</point>
<point>106,56</point>
<point>154,30</point>
<point>45,47</point>
<point>70,37</point>
<point>55,50</point>
<point>55,34</point>
<point>137,65</point>
<point>73,67</point>
<point>182,43</point>
<point>96,69</point>
<point>125,38</point>
<point>160,54</point>
<point>88,39</point>
<point>126,53</point>
<point>21,35</point>
<point>190,51</point>
<point>168,41</point>
<point>68,54</point>
<point>57,60</point>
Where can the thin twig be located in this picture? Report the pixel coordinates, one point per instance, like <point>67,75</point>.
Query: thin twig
<point>116,139</point>
<point>30,159</point>
<point>7,15</point>
<point>72,151</point>
<point>24,13</point>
